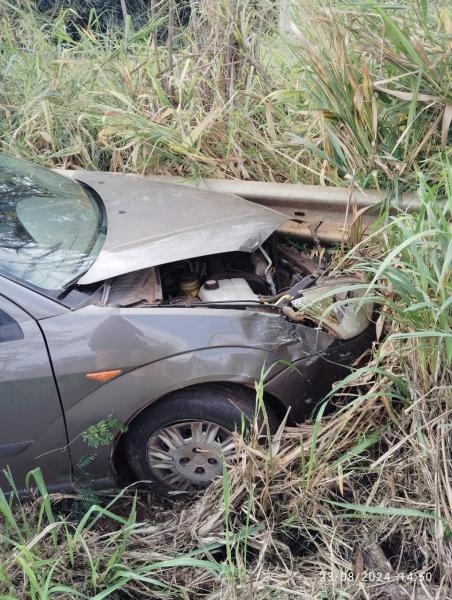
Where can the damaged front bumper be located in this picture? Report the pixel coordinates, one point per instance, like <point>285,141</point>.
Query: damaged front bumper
<point>303,384</point>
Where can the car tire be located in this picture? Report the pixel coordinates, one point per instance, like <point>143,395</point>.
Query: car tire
<point>179,443</point>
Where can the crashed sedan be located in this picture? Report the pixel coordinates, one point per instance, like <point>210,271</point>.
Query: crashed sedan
<point>159,305</point>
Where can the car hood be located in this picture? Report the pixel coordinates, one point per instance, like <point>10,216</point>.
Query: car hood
<point>152,223</point>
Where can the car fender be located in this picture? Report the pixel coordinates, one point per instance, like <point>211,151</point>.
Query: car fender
<point>126,396</point>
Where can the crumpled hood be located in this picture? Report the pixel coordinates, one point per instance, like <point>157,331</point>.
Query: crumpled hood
<point>152,223</point>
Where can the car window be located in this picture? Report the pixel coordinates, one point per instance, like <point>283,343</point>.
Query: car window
<point>51,228</point>
<point>9,328</point>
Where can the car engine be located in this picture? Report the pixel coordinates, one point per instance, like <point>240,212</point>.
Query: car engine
<point>235,276</point>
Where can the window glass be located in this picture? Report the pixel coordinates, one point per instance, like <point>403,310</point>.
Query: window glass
<point>9,329</point>
<point>51,229</point>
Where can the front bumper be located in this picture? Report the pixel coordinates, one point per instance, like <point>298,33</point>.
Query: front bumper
<point>302,385</point>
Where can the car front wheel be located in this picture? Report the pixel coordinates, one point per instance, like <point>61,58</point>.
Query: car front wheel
<point>180,443</point>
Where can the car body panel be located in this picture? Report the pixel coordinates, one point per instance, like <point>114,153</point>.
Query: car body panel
<point>297,387</point>
<point>106,338</point>
<point>161,350</point>
<point>31,423</point>
<point>34,303</point>
<point>303,384</point>
<point>152,223</point>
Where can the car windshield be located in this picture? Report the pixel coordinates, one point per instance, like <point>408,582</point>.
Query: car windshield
<point>51,228</point>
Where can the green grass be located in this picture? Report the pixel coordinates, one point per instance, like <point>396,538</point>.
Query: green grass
<point>48,553</point>
<point>412,275</point>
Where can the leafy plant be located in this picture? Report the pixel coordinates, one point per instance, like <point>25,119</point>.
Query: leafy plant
<point>103,432</point>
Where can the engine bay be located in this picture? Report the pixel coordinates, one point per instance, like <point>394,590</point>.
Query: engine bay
<point>231,277</point>
<point>235,276</point>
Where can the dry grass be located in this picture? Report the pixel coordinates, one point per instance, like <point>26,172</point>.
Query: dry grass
<point>227,96</point>
<point>381,86</point>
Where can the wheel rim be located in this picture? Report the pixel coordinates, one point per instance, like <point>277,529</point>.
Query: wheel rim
<point>187,456</point>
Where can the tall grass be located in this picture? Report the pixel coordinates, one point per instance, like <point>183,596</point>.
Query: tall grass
<point>413,275</point>
<point>47,553</point>
<point>380,81</point>
<point>195,105</point>
<point>366,97</point>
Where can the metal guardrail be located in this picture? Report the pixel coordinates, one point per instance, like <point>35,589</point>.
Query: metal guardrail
<point>333,213</point>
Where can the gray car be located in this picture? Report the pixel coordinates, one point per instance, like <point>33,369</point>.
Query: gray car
<point>159,305</point>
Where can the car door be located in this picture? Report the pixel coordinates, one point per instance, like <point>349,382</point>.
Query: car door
<point>32,430</point>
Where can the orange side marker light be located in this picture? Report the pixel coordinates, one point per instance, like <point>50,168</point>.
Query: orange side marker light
<point>104,376</point>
